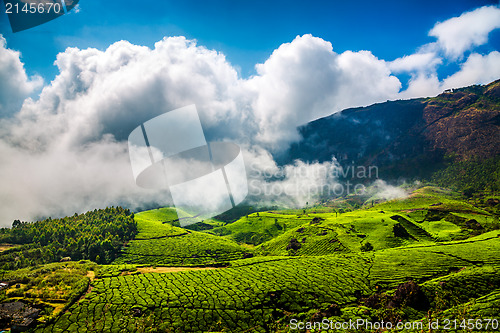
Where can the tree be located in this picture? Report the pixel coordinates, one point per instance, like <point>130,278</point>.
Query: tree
<point>366,247</point>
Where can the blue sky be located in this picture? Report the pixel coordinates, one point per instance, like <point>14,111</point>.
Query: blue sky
<point>245,31</point>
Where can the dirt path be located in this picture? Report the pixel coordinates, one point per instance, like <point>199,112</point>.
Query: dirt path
<point>91,275</point>
<point>4,247</point>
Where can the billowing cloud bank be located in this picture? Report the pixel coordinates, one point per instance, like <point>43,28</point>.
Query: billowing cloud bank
<point>15,85</point>
<point>65,150</point>
<point>457,39</point>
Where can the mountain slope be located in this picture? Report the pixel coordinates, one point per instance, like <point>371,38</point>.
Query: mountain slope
<point>412,138</point>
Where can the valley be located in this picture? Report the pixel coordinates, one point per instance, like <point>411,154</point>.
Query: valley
<point>402,260</point>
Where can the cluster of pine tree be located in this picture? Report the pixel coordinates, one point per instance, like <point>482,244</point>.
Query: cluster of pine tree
<point>97,235</point>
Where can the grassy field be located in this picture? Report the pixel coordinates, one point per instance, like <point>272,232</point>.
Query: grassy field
<point>254,294</point>
<point>52,287</point>
<point>408,260</point>
<point>424,253</point>
<point>159,243</point>
<point>259,227</point>
<point>329,233</point>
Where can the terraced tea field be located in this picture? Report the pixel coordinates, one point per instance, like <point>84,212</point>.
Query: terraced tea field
<point>328,233</point>
<point>259,227</point>
<point>403,260</point>
<point>252,295</point>
<point>161,244</point>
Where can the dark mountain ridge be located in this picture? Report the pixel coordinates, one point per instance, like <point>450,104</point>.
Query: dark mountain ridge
<point>408,138</point>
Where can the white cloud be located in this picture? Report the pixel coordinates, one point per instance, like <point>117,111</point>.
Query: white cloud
<point>112,91</point>
<point>291,185</point>
<point>60,181</point>
<point>478,69</point>
<point>455,36</point>
<point>66,152</point>
<point>305,79</point>
<point>365,80</point>
<point>60,156</point>
<point>420,62</point>
<point>422,85</point>
<point>460,34</point>
<point>381,190</point>
<point>15,85</point>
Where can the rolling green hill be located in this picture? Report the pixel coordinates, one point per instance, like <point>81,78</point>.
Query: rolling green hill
<point>429,214</point>
<point>263,294</point>
<point>404,260</point>
<point>159,243</point>
<point>259,227</point>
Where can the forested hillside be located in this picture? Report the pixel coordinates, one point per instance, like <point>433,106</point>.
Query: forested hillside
<point>96,235</point>
<point>430,138</point>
